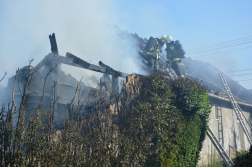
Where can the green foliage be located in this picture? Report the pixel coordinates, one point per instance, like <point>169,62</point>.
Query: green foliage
<point>190,99</point>
<point>164,126</point>
<point>167,124</point>
<point>244,159</point>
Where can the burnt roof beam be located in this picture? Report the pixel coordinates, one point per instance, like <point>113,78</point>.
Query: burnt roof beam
<point>54,47</point>
<point>72,60</point>
<point>111,71</point>
<point>44,62</point>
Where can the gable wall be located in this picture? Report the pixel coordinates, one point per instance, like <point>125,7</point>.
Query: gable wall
<point>233,134</point>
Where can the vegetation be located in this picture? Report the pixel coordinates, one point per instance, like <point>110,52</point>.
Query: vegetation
<point>163,124</point>
<point>213,159</point>
<point>244,159</point>
<point>173,115</point>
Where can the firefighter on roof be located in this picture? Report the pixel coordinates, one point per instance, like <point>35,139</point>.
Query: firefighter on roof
<point>175,53</point>
<point>154,46</point>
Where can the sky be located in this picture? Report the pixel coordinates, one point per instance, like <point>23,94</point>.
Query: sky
<point>84,29</point>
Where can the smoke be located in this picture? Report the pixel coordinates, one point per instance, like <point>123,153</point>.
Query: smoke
<point>93,81</point>
<point>83,28</point>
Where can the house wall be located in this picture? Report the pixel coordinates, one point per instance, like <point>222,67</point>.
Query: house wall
<point>233,133</point>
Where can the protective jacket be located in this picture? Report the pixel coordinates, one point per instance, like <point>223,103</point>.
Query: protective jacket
<point>183,68</point>
<point>175,53</point>
<point>153,47</point>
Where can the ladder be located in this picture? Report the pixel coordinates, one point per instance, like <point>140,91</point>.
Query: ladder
<point>172,73</point>
<point>220,125</point>
<point>245,118</point>
<point>219,148</point>
<point>237,109</point>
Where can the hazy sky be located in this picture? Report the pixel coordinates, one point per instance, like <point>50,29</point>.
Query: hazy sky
<point>82,28</point>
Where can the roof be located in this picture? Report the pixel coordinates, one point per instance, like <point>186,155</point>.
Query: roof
<point>206,73</point>
<point>226,98</point>
<point>209,76</point>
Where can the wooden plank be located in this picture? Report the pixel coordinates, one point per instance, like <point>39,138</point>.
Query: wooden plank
<point>77,60</point>
<point>111,71</point>
<point>53,42</point>
<point>71,61</point>
<point>43,62</point>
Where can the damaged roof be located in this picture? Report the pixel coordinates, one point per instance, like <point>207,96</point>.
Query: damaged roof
<point>206,73</point>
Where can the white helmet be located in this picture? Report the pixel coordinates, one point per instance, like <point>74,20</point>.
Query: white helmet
<point>166,38</point>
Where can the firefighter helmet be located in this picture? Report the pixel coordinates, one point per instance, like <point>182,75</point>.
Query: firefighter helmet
<point>166,38</point>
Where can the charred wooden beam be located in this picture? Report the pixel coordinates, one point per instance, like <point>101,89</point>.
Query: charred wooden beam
<point>72,60</point>
<point>111,71</point>
<point>77,62</point>
<point>54,47</point>
<point>115,74</point>
<point>43,62</point>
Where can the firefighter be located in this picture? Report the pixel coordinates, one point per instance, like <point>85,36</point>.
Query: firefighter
<point>175,53</point>
<point>183,69</point>
<point>154,46</point>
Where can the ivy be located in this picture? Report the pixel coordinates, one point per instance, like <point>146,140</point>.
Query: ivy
<point>171,116</point>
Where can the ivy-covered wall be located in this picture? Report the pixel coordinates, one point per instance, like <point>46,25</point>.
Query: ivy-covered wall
<point>166,126</point>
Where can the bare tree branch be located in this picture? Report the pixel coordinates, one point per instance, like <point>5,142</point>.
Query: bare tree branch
<point>19,84</point>
<point>14,90</point>
<point>3,76</point>
<point>44,86</point>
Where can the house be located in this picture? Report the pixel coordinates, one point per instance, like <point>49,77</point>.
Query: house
<point>223,120</point>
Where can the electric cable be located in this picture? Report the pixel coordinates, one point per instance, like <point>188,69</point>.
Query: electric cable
<point>223,43</point>
<point>240,75</point>
<point>212,47</point>
<point>219,52</point>
<point>244,80</point>
<point>219,48</point>
<point>238,70</point>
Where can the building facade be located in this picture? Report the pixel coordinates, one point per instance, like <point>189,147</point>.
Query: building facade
<point>227,129</point>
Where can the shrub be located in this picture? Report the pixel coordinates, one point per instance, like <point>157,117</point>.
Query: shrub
<point>244,158</point>
<point>164,126</point>
<point>167,124</point>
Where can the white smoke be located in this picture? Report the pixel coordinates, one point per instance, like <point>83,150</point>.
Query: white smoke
<point>83,28</point>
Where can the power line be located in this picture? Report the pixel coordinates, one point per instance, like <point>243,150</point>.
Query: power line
<point>238,70</point>
<point>223,43</point>
<point>220,47</point>
<point>240,75</point>
<point>244,80</point>
<point>220,52</point>
<point>214,46</point>
<point>217,44</point>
